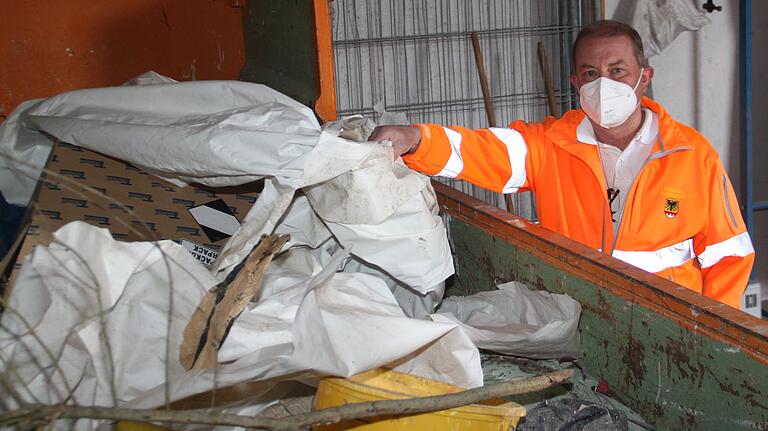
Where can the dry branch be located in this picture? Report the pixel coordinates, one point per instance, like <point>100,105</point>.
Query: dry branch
<point>40,414</point>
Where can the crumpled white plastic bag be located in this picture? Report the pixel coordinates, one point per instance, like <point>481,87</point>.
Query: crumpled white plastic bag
<point>207,132</point>
<point>515,320</point>
<point>659,22</point>
<point>201,131</point>
<point>101,309</point>
<point>405,238</point>
<point>400,244</point>
<point>221,133</point>
<point>347,198</point>
<point>85,291</point>
<point>23,153</point>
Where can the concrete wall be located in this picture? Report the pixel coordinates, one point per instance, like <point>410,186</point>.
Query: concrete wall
<point>697,81</point>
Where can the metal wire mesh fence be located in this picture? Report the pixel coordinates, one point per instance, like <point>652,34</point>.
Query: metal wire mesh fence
<point>415,57</point>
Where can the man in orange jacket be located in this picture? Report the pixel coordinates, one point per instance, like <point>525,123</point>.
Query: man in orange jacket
<point>619,174</point>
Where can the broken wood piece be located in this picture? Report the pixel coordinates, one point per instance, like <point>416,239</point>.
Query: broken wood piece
<point>208,327</point>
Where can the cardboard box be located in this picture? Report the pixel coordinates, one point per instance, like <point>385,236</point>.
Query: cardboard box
<point>79,184</point>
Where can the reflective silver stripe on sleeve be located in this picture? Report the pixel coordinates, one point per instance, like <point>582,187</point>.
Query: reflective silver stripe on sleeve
<point>517,151</point>
<point>455,164</point>
<point>728,202</point>
<point>739,245</point>
<point>659,260</point>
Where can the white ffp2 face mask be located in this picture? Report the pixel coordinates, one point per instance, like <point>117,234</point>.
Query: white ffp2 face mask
<point>607,102</point>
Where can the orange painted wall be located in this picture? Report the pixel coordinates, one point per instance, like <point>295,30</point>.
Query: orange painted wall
<point>47,47</point>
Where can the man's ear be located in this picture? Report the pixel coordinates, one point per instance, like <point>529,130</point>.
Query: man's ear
<point>647,76</point>
<point>573,82</point>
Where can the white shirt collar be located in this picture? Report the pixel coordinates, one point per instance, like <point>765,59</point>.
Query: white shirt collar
<point>646,135</point>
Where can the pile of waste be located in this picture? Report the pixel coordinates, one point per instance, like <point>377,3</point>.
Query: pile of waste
<point>338,268</point>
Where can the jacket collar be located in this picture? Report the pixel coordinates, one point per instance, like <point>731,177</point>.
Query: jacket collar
<point>646,135</point>
<point>564,132</point>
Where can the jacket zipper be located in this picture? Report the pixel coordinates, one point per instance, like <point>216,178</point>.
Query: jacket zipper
<point>632,188</point>
<point>602,240</point>
<point>605,206</point>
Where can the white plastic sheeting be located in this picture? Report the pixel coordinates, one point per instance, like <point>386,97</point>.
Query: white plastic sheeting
<point>309,317</point>
<point>659,22</point>
<point>109,333</point>
<point>368,252</point>
<point>222,133</point>
<point>24,150</point>
<point>23,153</point>
<point>515,320</point>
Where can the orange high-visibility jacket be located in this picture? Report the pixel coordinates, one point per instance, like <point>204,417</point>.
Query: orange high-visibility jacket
<point>681,219</point>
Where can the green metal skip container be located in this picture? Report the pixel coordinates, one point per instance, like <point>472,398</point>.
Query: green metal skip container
<point>681,360</point>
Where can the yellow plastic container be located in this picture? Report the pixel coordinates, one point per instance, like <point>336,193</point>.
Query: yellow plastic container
<point>382,384</point>
<point>138,426</point>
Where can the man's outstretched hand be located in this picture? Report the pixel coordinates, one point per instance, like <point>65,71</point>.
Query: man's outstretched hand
<point>405,139</point>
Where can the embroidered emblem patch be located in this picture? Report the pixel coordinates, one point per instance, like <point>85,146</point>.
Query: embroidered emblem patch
<point>671,207</point>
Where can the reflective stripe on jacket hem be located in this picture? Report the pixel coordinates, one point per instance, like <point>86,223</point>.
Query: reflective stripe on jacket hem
<point>739,245</point>
<point>455,163</point>
<point>659,260</point>
<point>517,151</point>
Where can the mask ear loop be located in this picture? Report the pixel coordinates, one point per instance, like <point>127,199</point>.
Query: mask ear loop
<point>640,78</point>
